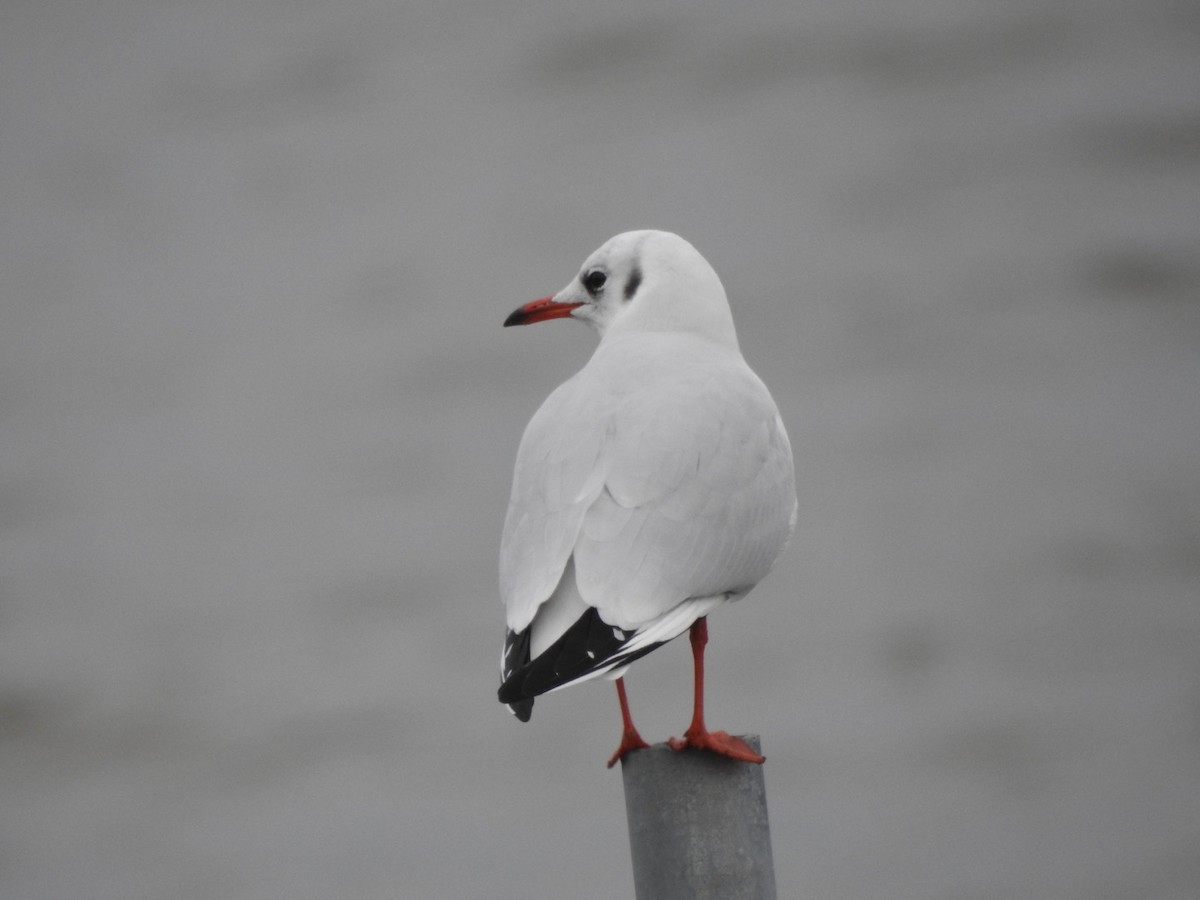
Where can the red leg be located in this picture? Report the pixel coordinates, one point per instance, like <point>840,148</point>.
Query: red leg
<point>697,736</point>
<point>630,739</point>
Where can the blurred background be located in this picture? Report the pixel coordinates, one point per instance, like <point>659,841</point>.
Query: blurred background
<point>258,418</point>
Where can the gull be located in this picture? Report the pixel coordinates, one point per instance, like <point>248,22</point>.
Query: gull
<point>653,486</point>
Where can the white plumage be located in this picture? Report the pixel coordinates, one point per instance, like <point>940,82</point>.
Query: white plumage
<point>650,487</point>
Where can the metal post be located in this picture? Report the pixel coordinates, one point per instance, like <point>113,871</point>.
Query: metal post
<point>698,825</point>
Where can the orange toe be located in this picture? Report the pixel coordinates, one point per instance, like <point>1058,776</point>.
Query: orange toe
<point>630,740</point>
<point>719,742</point>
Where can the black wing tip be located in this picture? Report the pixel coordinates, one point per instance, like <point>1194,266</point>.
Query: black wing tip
<point>590,645</point>
<point>516,658</point>
<point>511,694</point>
<point>522,709</point>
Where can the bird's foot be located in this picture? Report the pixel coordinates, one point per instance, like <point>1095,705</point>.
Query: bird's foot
<point>630,740</point>
<point>719,742</point>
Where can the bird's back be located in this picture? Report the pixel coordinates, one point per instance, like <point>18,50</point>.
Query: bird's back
<point>662,470</point>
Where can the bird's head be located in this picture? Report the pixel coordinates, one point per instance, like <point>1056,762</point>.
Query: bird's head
<point>641,281</point>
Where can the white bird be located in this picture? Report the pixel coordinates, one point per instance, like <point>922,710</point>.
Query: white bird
<point>651,487</point>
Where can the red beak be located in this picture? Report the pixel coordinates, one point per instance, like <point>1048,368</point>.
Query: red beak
<point>540,311</point>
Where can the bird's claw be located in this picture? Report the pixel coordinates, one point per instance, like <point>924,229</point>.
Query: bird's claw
<point>719,742</point>
<point>630,740</point>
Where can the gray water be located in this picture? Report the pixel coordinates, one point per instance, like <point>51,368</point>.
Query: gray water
<point>258,416</point>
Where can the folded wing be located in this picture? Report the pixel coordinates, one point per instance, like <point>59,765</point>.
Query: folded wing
<point>664,473</point>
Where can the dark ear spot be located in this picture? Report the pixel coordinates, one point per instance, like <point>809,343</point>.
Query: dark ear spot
<point>633,282</point>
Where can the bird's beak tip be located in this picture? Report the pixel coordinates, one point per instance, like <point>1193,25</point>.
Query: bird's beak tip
<point>540,311</point>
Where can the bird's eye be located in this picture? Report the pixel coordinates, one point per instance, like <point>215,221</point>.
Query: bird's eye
<point>594,280</point>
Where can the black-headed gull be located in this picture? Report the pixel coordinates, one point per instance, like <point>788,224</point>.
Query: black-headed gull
<point>650,488</point>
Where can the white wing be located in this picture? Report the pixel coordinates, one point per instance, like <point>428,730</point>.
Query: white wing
<point>663,469</point>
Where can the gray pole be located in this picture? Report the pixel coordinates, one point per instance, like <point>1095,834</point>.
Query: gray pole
<point>698,825</point>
